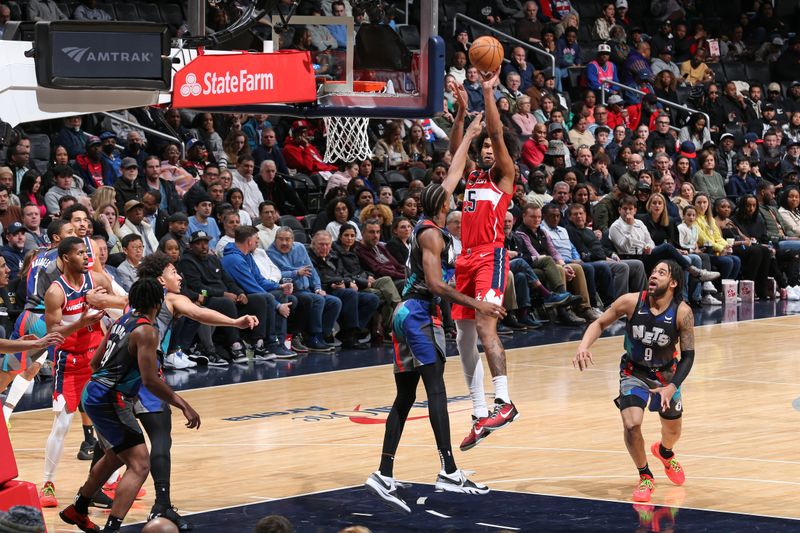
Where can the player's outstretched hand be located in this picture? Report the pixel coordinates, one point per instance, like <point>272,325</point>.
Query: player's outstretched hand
<point>666,394</point>
<point>51,339</point>
<point>460,94</point>
<point>489,79</point>
<point>476,126</point>
<point>490,309</point>
<point>246,322</point>
<point>192,418</point>
<point>582,360</point>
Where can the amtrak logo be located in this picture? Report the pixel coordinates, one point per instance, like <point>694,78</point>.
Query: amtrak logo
<point>86,55</point>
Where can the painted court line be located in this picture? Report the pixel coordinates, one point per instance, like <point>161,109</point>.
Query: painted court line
<point>510,528</point>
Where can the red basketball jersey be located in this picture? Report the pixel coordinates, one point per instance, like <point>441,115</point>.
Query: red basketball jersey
<point>484,212</point>
<point>86,338</point>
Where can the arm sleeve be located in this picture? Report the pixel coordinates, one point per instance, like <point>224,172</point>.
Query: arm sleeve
<point>683,367</point>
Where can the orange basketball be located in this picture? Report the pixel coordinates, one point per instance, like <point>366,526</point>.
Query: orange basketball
<point>486,54</point>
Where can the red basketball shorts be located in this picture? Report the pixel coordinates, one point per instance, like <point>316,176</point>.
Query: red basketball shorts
<point>480,273</point>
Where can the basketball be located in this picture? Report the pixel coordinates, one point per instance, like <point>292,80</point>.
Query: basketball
<point>486,54</point>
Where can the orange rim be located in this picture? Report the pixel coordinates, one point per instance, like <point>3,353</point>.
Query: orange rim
<point>358,86</point>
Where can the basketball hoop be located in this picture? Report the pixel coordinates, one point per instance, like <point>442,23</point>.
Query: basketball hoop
<point>347,136</point>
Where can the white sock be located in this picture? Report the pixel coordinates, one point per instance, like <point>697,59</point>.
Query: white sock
<point>55,443</point>
<point>17,390</point>
<point>501,389</point>
<point>467,341</point>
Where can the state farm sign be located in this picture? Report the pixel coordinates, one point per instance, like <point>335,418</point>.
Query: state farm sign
<point>237,79</point>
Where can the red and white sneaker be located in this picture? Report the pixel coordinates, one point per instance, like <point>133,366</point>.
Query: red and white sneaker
<point>476,434</point>
<point>71,516</point>
<point>672,467</point>
<point>645,489</point>
<point>502,415</point>
<point>47,496</point>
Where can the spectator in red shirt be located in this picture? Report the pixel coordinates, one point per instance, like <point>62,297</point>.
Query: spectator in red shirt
<point>534,148</point>
<point>301,155</point>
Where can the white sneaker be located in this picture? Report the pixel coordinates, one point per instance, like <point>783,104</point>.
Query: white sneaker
<point>178,361</point>
<point>794,293</point>
<point>458,482</point>
<point>710,300</point>
<point>709,287</point>
<point>385,488</point>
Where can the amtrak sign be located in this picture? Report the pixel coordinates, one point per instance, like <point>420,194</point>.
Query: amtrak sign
<point>240,79</point>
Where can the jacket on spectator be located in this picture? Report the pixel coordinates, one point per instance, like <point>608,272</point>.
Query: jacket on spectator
<point>283,195</point>
<point>261,154</point>
<point>171,202</point>
<point>380,261</point>
<point>290,262</point>
<point>586,243</point>
<point>305,158</point>
<point>352,265</point>
<point>128,190</point>
<point>73,141</point>
<point>243,269</point>
<point>14,257</point>
<point>145,231</point>
<point>330,270</point>
<point>207,274</point>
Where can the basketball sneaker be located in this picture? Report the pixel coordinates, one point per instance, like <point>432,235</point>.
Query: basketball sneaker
<point>645,489</point>
<point>502,415</point>
<point>262,353</point>
<point>171,514</point>
<point>47,496</point>
<point>458,482</point>
<point>71,516</point>
<point>476,434</point>
<point>101,500</point>
<point>86,451</point>
<point>672,467</point>
<point>385,488</point>
<point>111,488</point>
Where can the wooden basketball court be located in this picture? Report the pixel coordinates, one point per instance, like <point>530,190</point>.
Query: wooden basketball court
<point>284,437</point>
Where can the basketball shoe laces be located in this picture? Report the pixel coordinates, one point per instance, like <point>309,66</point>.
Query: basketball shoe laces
<point>645,481</point>
<point>674,465</point>
<point>48,490</point>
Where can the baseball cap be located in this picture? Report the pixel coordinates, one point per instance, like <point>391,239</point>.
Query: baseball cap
<point>194,142</point>
<point>688,150</point>
<point>726,136</point>
<point>129,162</point>
<point>603,48</point>
<point>298,125</point>
<point>178,216</point>
<point>772,87</point>
<point>769,107</point>
<point>204,198</point>
<point>750,137</point>
<point>792,144</point>
<point>554,126</point>
<point>777,41</point>
<point>199,235</point>
<point>622,3</point>
<point>614,99</point>
<point>15,227</point>
<point>92,140</point>
<point>643,186</point>
<point>108,135</point>
<point>795,84</point>
<point>130,204</point>
<point>667,50</point>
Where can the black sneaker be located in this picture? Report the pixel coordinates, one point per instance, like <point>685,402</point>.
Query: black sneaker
<point>262,353</point>
<point>239,355</point>
<point>298,346</point>
<point>215,360</point>
<point>171,514</point>
<point>199,358</point>
<point>86,452</point>
<point>332,341</point>
<point>504,330</point>
<point>101,500</point>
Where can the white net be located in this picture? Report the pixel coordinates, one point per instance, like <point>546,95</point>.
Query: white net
<point>347,139</point>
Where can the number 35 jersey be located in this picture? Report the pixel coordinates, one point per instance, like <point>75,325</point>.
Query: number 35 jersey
<point>483,213</point>
<point>650,340</point>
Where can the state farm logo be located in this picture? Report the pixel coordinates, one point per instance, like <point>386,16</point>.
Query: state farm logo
<point>242,81</point>
<point>191,87</point>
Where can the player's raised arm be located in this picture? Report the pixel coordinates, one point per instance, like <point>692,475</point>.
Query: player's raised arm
<point>456,170</point>
<point>503,163</point>
<point>457,131</point>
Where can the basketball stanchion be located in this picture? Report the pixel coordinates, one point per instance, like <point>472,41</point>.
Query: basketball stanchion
<point>347,136</point>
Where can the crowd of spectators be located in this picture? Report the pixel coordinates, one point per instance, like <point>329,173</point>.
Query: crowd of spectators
<point>257,222</point>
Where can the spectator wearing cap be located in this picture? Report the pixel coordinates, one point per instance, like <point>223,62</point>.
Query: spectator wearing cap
<point>791,161</point>
<point>133,249</point>
<point>14,250</point>
<point>695,71</point>
<point>556,156</point>
<point>770,51</point>
<point>91,166</point>
<point>770,120</point>
<point>664,62</point>
<point>128,187</point>
<point>787,66</point>
<point>600,69</point>
<point>749,149</point>
<point>196,157</point>
<point>268,149</point>
<point>72,137</point>
<point>202,220</point>
<point>135,224</point>
<point>177,226</point>
<point>301,155</point>
<point>152,181</point>
<point>110,156</point>
<point>774,97</point>
<point>64,186</point>
<point>726,155</point>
